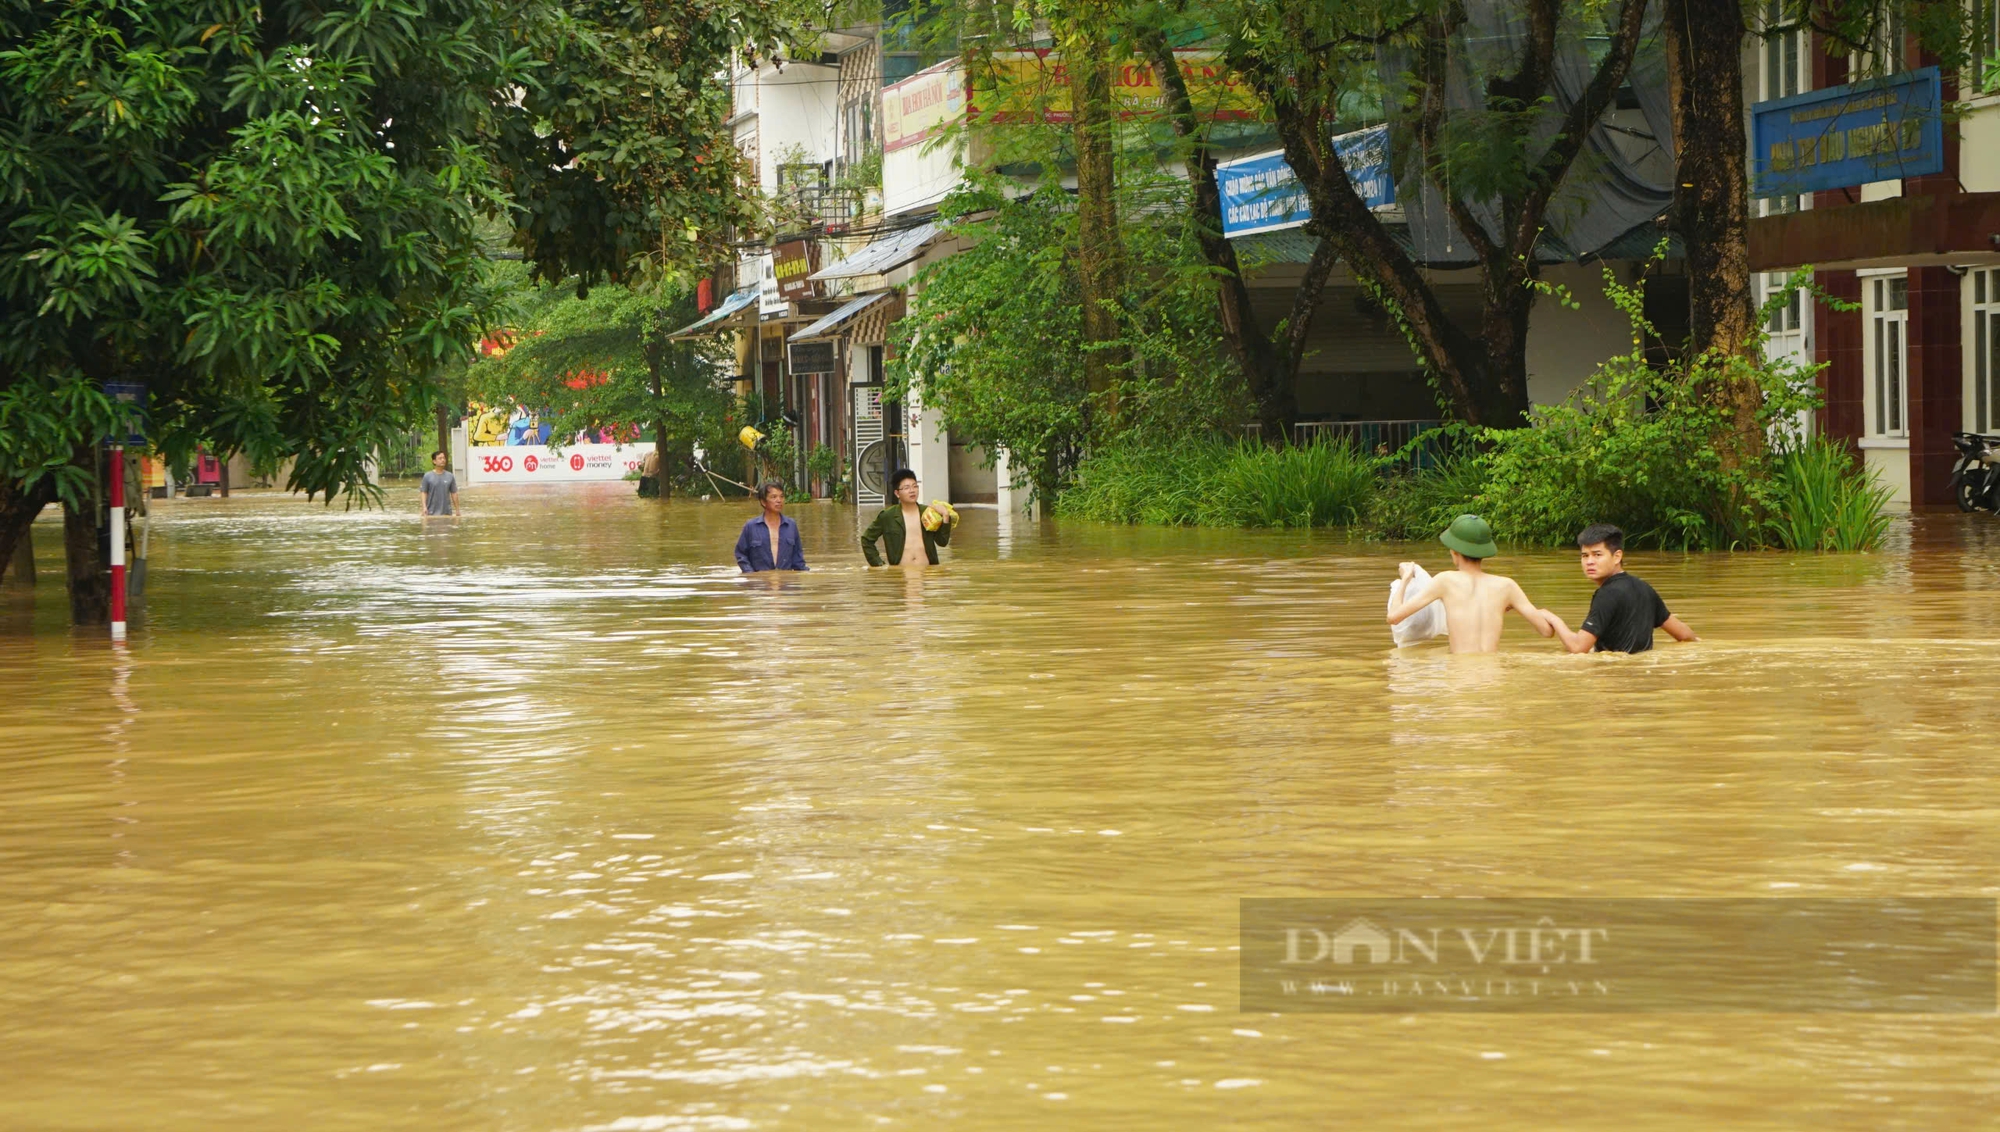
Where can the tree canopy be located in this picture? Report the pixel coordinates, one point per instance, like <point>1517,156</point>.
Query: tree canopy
<point>270,211</point>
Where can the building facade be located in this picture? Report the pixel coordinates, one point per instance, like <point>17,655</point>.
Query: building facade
<point>1916,359</point>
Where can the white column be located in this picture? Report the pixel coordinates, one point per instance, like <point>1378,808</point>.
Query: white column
<point>1013,492</point>
<point>930,451</point>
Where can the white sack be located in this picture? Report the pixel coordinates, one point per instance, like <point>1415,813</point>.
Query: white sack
<point>1422,625</point>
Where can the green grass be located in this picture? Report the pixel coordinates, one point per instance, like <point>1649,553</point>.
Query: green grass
<point>1215,483</point>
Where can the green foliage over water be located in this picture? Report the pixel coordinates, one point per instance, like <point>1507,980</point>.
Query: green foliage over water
<point>1649,447</point>
<point>1214,483</point>
<point>996,332</point>
<point>1828,500</point>
<point>1416,505</point>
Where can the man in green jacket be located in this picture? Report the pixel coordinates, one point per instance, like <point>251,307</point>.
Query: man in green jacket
<point>893,524</point>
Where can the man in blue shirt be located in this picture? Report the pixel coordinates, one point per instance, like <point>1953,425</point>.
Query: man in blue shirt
<point>770,540</point>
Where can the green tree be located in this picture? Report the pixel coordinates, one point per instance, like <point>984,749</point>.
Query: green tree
<point>618,157</point>
<point>1508,155</point>
<point>269,211</point>
<point>1268,358</point>
<point>604,360</point>
<point>995,334</point>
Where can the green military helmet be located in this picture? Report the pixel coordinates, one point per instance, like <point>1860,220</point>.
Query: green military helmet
<point>1471,536</point>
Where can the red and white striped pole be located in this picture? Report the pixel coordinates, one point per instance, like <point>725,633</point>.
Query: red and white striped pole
<point>117,542</point>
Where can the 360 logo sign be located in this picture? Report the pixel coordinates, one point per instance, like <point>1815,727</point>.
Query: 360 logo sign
<point>575,463</point>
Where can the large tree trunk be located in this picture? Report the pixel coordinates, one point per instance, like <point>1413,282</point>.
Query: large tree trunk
<point>1100,246</point>
<point>89,581</point>
<point>444,432</point>
<point>18,509</point>
<point>1503,330</point>
<point>1270,373</point>
<point>1704,44</point>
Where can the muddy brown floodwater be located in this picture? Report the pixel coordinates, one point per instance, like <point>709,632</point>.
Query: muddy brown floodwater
<point>550,821</point>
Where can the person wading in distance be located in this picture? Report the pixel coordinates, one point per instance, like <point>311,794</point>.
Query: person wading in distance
<point>770,539</point>
<point>1625,610</point>
<point>893,524</point>
<point>1474,601</point>
<point>438,490</point>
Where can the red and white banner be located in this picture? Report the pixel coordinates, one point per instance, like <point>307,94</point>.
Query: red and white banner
<point>538,463</point>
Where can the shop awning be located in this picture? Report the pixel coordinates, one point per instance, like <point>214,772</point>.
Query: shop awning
<point>709,322</point>
<point>833,324</point>
<point>885,254</point>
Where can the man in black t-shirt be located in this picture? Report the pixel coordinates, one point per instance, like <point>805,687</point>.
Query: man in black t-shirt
<point>1625,610</point>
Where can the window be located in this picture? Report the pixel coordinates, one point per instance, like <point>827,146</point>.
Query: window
<point>1982,349</point>
<point>1786,318</point>
<point>1980,73</point>
<point>1783,57</point>
<point>1889,51</point>
<point>1785,71</point>
<point>1888,358</point>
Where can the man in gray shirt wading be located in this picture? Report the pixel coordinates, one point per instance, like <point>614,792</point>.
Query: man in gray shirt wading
<point>439,489</point>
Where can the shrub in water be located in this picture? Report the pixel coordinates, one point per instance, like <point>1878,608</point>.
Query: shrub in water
<point>1827,499</point>
<point>1219,484</point>
<point>1652,449</point>
<point>1416,505</point>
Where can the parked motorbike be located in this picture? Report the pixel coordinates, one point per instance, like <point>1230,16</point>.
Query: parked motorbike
<point>1975,478</point>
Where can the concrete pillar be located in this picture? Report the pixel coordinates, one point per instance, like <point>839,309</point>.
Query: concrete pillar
<point>461,464</point>
<point>1012,491</point>
<point>1837,344</point>
<point>1017,516</point>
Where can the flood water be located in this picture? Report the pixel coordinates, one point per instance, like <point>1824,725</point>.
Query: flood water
<point>549,821</point>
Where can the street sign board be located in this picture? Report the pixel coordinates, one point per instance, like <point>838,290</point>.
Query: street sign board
<point>813,357</point>
<point>131,399</point>
<point>1262,194</point>
<point>1878,130</point>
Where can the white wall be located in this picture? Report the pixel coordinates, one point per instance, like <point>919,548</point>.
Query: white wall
<point>1894,466</point>
<point>1979,147</point>
<point>797,107</point>
<point>930,448</point>
<point>1566,346</point>
<point>919,176</point>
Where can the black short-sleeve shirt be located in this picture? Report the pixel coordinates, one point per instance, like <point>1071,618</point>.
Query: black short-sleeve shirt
<point>1624,613</point>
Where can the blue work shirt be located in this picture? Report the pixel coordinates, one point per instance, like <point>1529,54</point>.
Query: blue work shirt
<point>753,546</point>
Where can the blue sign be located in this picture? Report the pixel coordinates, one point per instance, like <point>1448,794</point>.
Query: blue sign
<point>1365,153</point>
<point>130,397</point>
<point>1262,194</point>
<point>1878,130</point>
